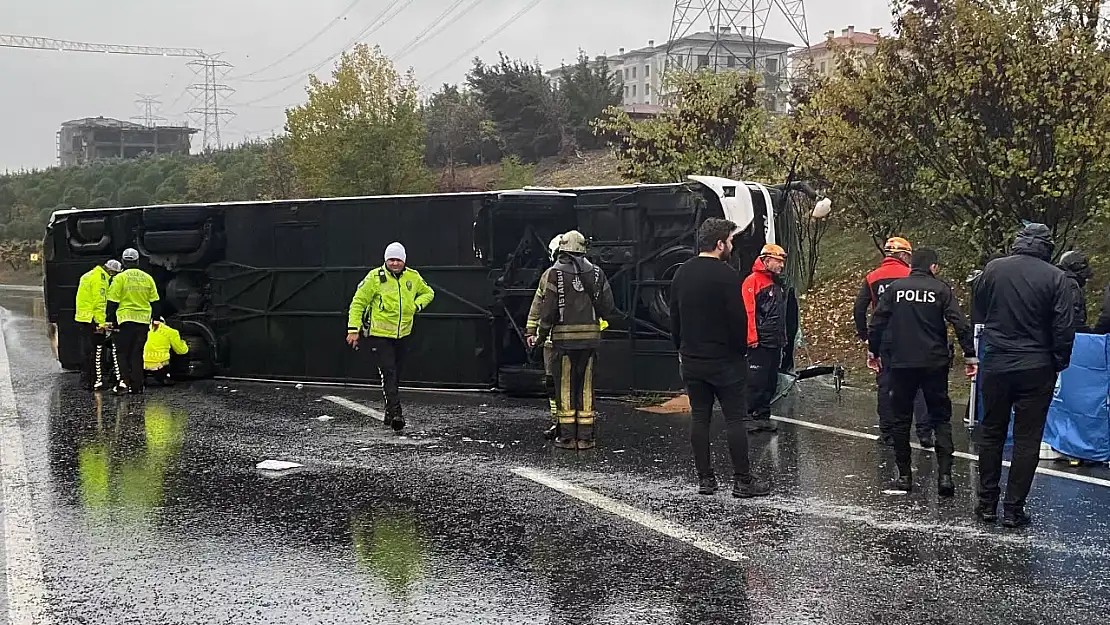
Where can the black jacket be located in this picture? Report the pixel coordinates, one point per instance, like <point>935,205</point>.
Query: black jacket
<point>708,322</point>
<point>915,310</point>
<point>1025,307</point>
<point>1103,324</point>
<point>1079,301</point>
<point>765,303</point>
<point>577,293</point>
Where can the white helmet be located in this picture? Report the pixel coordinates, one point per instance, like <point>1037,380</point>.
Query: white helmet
<point>553,247</point>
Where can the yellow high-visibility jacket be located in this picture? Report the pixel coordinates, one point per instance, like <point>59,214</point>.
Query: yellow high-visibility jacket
<point>134,290</point>
<point>159,341</point>
<point>92,296</point>
<point>387,303</point>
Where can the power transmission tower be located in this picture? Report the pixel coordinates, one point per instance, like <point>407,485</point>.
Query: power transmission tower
<point>149,105</point>
<point>734,24</point>
<point>209,94</point>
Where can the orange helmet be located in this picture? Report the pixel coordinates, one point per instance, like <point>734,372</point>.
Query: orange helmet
<point>895,245</point>
<point>773,251</point>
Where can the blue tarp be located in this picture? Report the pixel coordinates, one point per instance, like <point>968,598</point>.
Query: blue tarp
<point>1078,422</point>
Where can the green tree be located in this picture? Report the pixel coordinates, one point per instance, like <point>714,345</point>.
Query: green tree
<point>718,127</point>
<point>529,115</point>
<point>204,184</point>
<point>977,114</point>
<point>588,87</point>
<point>106,188</point>
<point>454,120</point>
<point>515,174</point>
<point>133,195</point>
<point>360,133</point>
<point>76,197</point>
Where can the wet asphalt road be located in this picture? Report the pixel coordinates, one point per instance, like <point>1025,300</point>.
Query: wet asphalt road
<point>152,511</point>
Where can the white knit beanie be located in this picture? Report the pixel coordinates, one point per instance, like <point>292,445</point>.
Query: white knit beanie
<point>395,251</point>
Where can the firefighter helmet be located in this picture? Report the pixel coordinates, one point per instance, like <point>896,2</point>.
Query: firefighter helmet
<point>573,242</point>
<point>553,246</point>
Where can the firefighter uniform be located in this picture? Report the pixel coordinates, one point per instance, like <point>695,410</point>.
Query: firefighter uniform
<point>915,310</point>
<point>765,304</point>
<point>132,303</point>
<point>576,295</point>
<point>382,309</point>
<point>91,316</point>
<point>894,267</point>
<point>160,342</point>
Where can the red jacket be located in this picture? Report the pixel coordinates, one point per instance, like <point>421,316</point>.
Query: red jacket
<point>765,303</point>
<point>873,286</point>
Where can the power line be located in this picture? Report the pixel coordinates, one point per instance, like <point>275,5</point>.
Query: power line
<point>311,40</point>
<point>497,31</point>
<point>210,99</point>
<point>149,105</point>
<point>375,25</point>
<point>424,37</point>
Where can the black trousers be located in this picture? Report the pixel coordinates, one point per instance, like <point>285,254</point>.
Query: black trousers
<point>161,376</point>
<point>763,380</point>
<point>723,381</point>
<point>130,340</point>
<point>573,374</point>
<point>92,355</point>
<point>390,357</point>
<point>932,384</point>
<point>886,409</point>
<point>1028,394</point>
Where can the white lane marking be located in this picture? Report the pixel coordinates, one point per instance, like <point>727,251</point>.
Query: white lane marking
<point>959,454</point>
<point>628,513</point>
<point>23,563</point>
<point>359,408</point>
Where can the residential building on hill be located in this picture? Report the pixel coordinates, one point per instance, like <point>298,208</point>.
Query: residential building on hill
<point>821,57</point>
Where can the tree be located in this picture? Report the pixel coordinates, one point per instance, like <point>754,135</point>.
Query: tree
<point>106,188</point>
<point>133,195</point>
<point>362,132</point>
<point>454,120</point>
<point>719,127</point>
<point>977,114</point>
<point>76,197</point>
<point>280,177</point>
<point>588,87</point>
<point>204,184</point>
<point>529,115</point>
<point>515,174</point>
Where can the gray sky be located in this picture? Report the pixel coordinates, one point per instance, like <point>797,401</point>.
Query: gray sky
<point>41,89</point>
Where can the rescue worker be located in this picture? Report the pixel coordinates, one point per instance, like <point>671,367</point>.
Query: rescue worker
<point>91,317</point>
<point>160,342</point>
<point>1078,271</point>
<point>132,303</point>
<point>915,310</point>
<point>530,328</point>
<point>895,266</point>
<point>709,330</point>
<point>765,304</point>
<point>576,296</point>
<point>382,309</point>
<point>1027,337</point>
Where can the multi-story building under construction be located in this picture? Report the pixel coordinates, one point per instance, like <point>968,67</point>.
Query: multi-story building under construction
<point>97,138</point>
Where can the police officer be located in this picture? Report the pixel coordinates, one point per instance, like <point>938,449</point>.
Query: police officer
<point>91,317</point>
<point>160,342</point>
<point>765,304</point>
<point>915,309</point>
<point>132,303</point>
<point>895,266</point>
<point>1078,271</point>
<point>576,297</point>
<point>382,309</point>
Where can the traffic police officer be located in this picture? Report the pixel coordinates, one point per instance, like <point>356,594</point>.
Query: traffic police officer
<point>915,309</point>
<point>576,296</point>
<point>91,317</point>
<point>895,266</point>
<point>132,303</point>
<point>382,309</point>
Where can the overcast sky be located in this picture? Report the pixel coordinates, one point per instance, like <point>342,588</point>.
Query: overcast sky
<point>41,89</point>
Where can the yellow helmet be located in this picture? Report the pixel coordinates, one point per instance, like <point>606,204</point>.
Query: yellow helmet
<point>895,245</point>
<point>773,251</point>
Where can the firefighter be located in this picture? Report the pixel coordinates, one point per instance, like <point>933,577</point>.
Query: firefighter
<point>160,342</point>
<point>382,309</point>
<point>915,309</point>
<point>895,265</point>
<point>132,303</point>
<point>1078,271</point>
<point>91,317</point>
<point>1027,338</point>
<point>765,304</point>
<point>576,296</point>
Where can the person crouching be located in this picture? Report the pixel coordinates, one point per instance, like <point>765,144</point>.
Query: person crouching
<point>161,341</point>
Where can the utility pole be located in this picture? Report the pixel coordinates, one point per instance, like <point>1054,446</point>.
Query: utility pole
<point>734,24</point>
<point>208,109</point>
<point>149,106</point>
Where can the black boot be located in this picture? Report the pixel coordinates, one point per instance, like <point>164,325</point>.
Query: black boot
<point>927,441</point>
<point>904,481</point>
<point>986,512</point>
<point>707,485</point>
<point>945,486</point>
<point>1014,518</point>
<point>752,487</point>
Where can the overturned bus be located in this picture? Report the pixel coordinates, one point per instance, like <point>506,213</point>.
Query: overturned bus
<point>260,290</point>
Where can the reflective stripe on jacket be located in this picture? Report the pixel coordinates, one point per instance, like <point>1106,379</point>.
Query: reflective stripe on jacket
<point>568,313</point>
<point>92,296</point>
<point>384,304</point>
<point>159,342</point>
<point>134,290</point>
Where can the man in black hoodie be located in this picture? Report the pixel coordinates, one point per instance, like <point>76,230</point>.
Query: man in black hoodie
<point>1027,314</point>
<point>915,309</point>
<point>1078,270</point>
